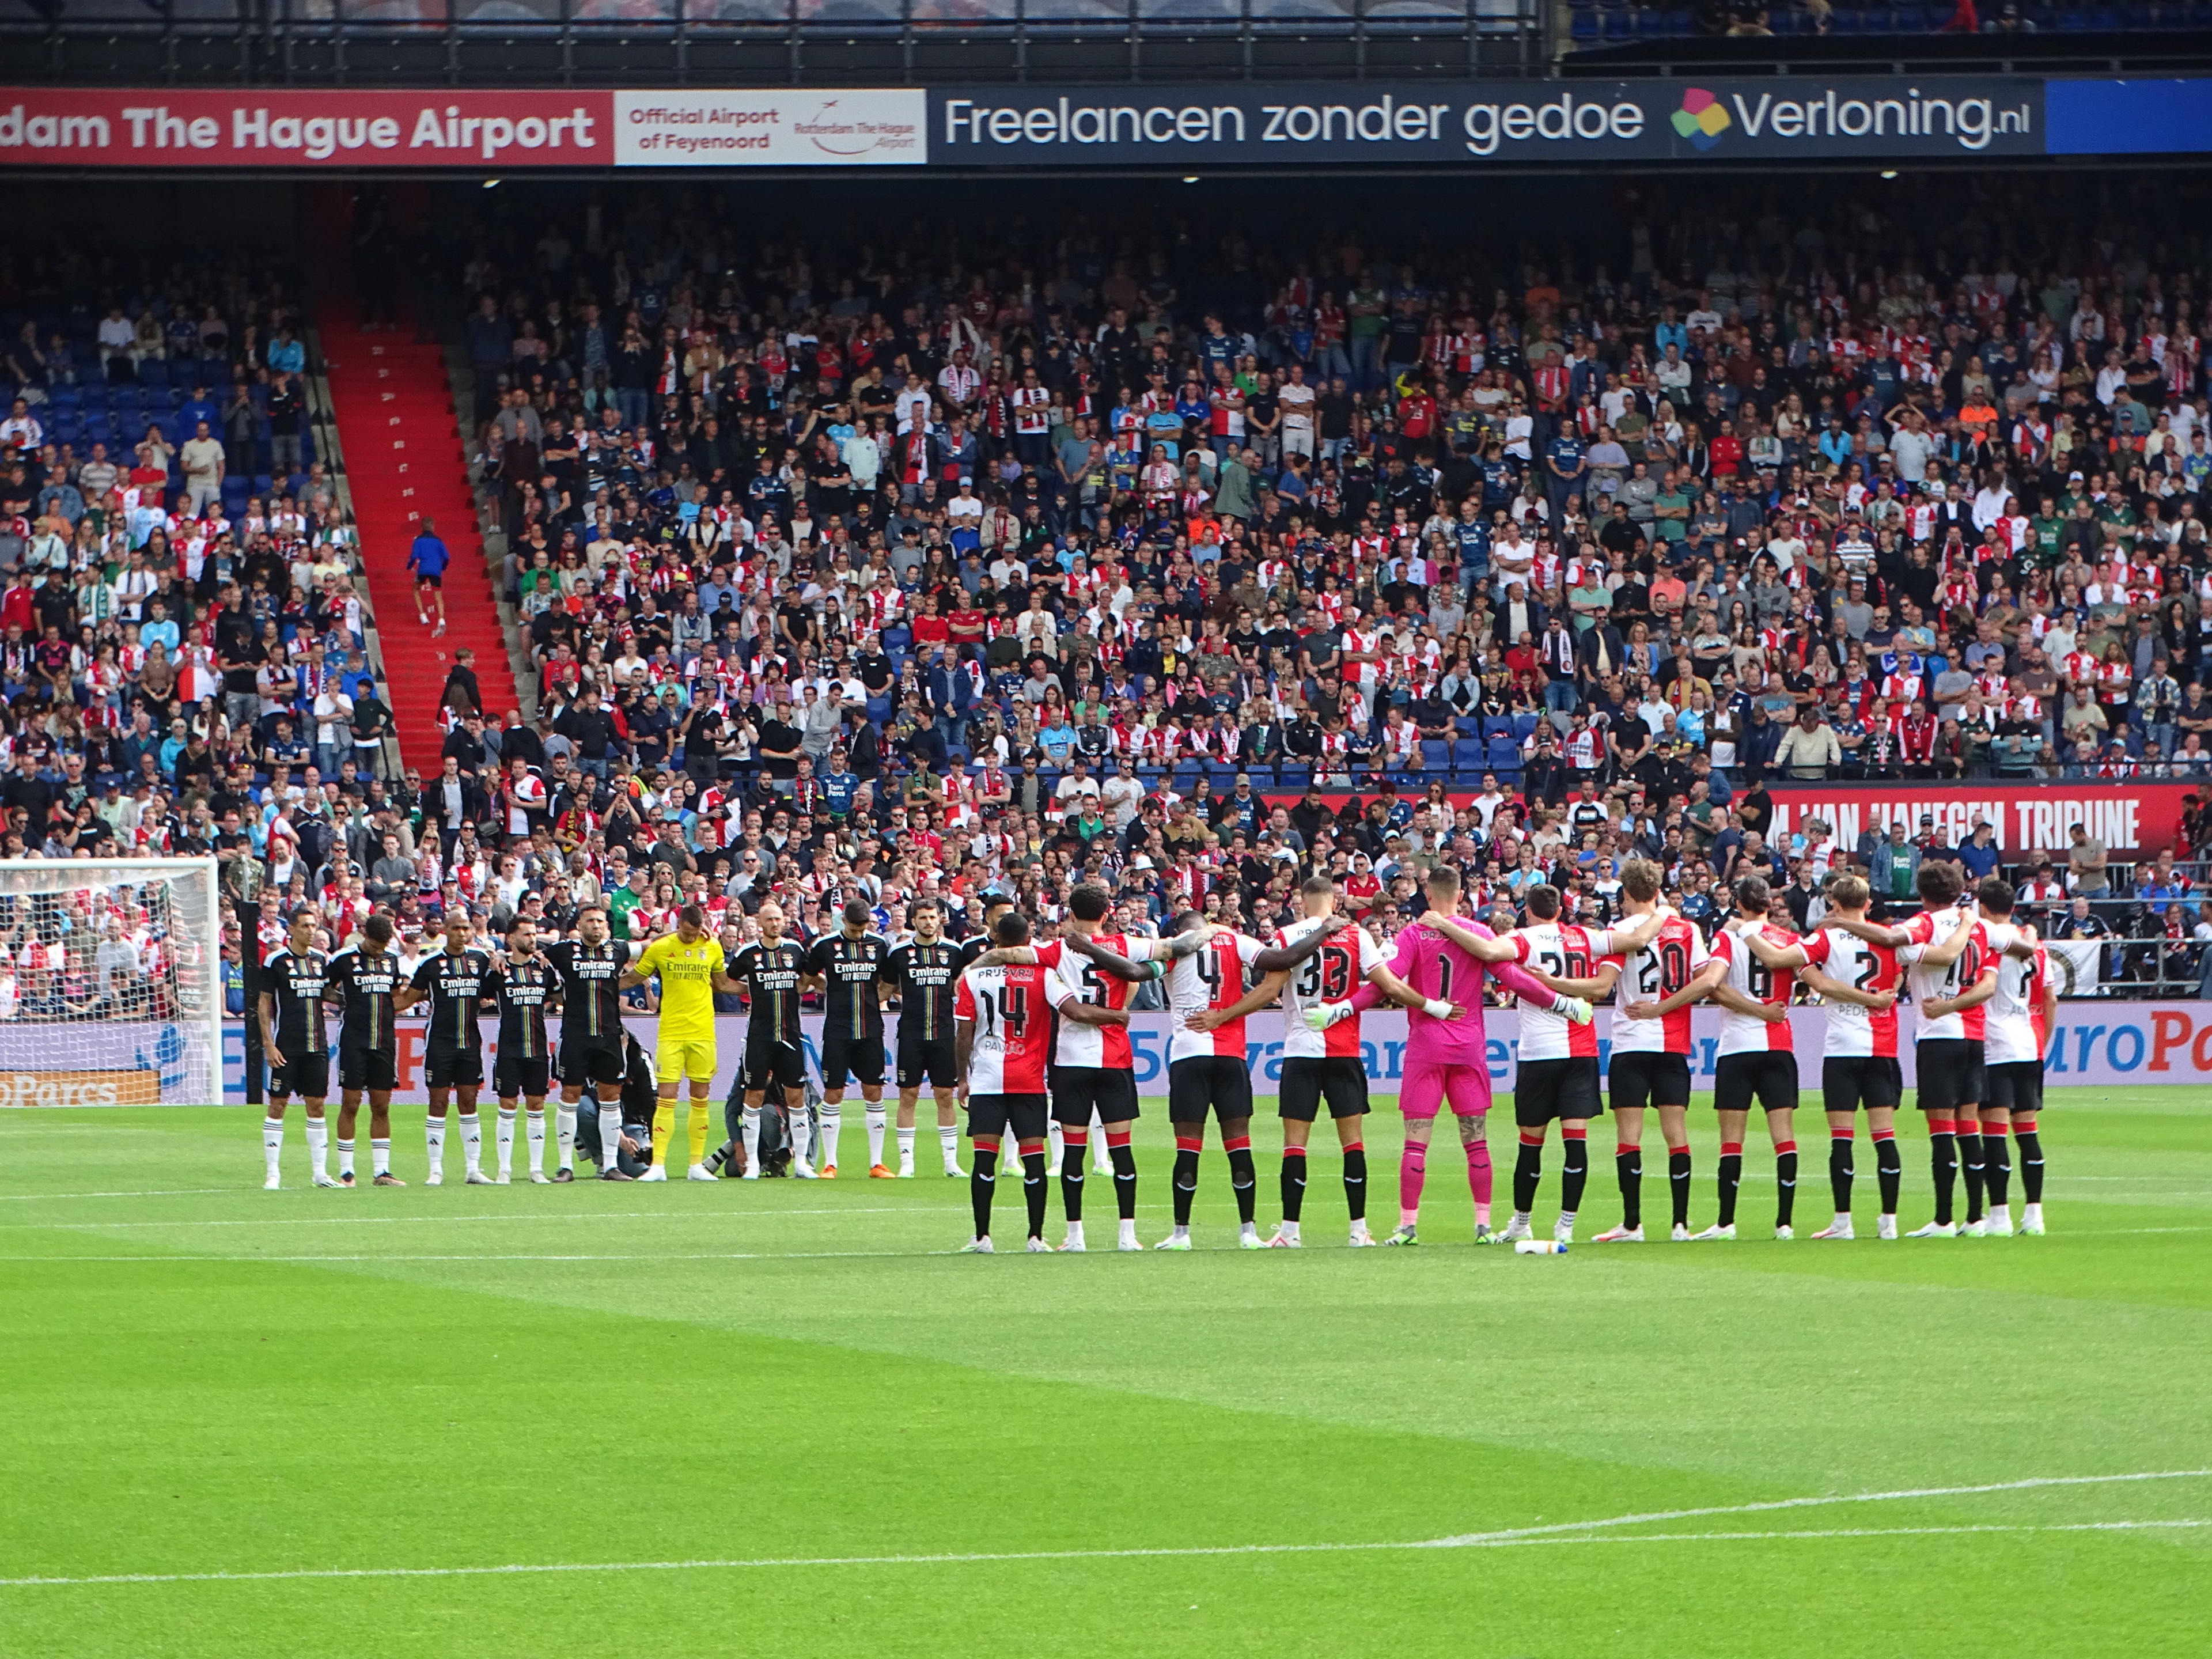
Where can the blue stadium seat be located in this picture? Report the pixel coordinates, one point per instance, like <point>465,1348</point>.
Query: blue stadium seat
<point>154,371</point>
<point>1469,755</point>
<point>1500,753</point>
<point>1525,725</point>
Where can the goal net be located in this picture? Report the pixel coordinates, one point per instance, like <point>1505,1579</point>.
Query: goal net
<point>110,983</point>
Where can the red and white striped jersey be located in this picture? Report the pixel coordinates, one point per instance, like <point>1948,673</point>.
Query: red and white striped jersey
<point>1013,1028</point>
<point>2013,1033</point>
<point>1855,1032</point>
<point>1329,975</point>
<point>1927,930</point>
<point>1212,976</point>
<point>1078,979</point>
<point>1745,1034</point>
<point>1657,970</point>
<point>1563,951</point>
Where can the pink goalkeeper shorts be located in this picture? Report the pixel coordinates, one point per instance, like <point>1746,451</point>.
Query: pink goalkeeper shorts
<point>1428,1083</point>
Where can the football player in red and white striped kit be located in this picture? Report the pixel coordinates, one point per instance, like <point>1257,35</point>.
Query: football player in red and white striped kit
<point>1002,1038</point>
<point>2016,1019</point>
<point>1208,1069</point>
<point>1667,969</point>
<point>1756,1059</point>
<point>1858,1063</point>
<point>1347,966</point>
<point>1944,953</point>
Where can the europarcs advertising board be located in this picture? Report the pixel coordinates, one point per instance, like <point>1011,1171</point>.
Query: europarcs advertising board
<point>1186,128</point>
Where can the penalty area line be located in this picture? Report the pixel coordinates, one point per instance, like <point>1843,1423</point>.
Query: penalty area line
<point>1584,1532</point>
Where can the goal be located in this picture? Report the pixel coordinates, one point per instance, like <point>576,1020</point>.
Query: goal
<point>110,983</point>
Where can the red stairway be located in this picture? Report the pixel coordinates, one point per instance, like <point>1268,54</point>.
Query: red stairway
<point>403,459</point>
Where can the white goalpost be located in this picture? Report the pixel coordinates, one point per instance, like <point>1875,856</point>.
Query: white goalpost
<point>110,983</point>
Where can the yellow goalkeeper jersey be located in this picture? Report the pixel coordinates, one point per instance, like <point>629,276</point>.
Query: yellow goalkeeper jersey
<point>687,986</point>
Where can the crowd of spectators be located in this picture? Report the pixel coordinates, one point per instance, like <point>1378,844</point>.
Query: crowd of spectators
<point>996,553</point>
<point>183,648</point>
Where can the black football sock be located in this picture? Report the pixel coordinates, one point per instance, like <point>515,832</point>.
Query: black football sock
<point>720,1156</point>
<point>1243,1178</point>
<point>1528,1170</point>
<point>1294,1183</point>
<point>983,1183</point>
<point>1355,1180</point>
<point>1186,1177</point>
<point>1628,1170</point>
<point>1731,1176</point>
<point>1075,1152</point>
<point>1839,1169</point>
<point>1970,1164</point>
<point>1035,1184</point>
<point>2030,1163</point>
<point>1678,1183</point>
<point>1996,1170</point>
<point>1889,1168</point>
<point>1125,1173</point>
<point>1574,1168</point>
<point>1785,1182</point>
<point>1943,1166</point>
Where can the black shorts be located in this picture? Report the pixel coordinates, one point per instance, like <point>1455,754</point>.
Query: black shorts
<point>367,1068</point>
<point>1850,1081</point>
<point>1219,1082</point>
<point>424,580</point>
<point>307,1076</point>
<point>1077,1089</point>
<point>933,1063</point>
<point>994,1115</point>
<point>514,1074</point>
<point>447,1063</point>
<point>860,1058</point>
<point>1309,1079</point>
<point>769,1063</point>
<point>1546,1089</point>
<point>1642,1078</point>
<point>1770,1078</point>
<point>2016,1087</point>
<point>1950,1075</point>
<point>593,1060</point>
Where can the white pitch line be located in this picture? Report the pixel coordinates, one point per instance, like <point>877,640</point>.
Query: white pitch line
<point>1570,1532</point>
<point>180,1191</point>
<point>642,1255</point>
<point>566,1218</point>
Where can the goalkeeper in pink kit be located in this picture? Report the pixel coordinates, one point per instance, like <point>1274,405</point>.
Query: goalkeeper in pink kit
<point>1447,1053</point>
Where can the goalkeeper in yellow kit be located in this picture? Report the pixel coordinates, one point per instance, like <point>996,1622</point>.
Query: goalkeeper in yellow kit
<point>690,964</point>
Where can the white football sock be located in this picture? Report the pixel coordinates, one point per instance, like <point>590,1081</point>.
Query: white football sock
<point>319,1145</point>
<point>345,1158</point>
<point>1075,1232</point>
<point>565,1127</point>
<point>1129,1232</point>
<point>1290,1229</point>
<point>949,1139</point>
<point>833,1124</point>
<point>433,1138</point>
<point>503,1139</point>
<point>905,1147</point>
<point>472,1140</point>
<point>534,1128</point>
<point>1056,1144</point>
<point>380,1157</point>
<point>749,1131</point>
<point>273,1143</point>
<point>877,1118</point>
<point>802,1135</point>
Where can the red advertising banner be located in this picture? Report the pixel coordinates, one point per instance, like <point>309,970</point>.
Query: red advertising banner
<point>2026,817</point>
<point>176,127</point>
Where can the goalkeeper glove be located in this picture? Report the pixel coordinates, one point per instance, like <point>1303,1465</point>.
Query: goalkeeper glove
<point>1328,1014</point>
<point>1575,1008</point>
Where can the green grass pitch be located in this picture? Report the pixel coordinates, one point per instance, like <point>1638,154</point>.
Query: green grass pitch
<point>779,1420</point>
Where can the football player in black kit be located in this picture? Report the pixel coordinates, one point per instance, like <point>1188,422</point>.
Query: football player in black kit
<point>454,981</point>
<point>364,980</point>
<point>850,964</point>
<point>523,987</point>
<point>590,967</point>
<point>296,1034</point>
<point>770,970</point>
<point>924,973</point>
